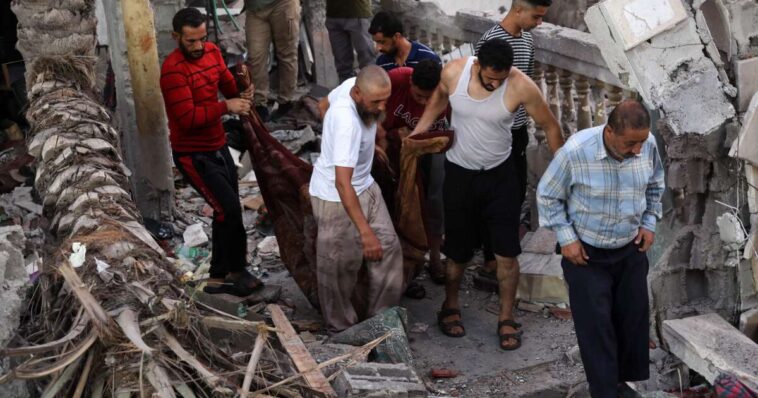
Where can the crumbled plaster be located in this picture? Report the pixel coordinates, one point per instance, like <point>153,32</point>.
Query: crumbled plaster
<point>670,71</point>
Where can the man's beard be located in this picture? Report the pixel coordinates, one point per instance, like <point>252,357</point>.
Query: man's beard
<point>392,52</point>
<point>488,87</point>
<point>192,54</point>
<point>368,117</point>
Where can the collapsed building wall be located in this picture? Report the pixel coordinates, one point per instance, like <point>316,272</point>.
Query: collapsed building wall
<point>682,58</point>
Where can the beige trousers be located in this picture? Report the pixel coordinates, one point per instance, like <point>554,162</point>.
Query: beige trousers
<point>279,21</point>
<point>339,258</point>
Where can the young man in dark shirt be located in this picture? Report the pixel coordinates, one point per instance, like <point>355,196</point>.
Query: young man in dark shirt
<point>396,50</point>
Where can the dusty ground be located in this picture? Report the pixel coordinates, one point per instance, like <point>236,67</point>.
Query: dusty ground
<point>539,368</point>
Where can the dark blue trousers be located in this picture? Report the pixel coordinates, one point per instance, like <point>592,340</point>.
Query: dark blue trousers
<point>609,303</point>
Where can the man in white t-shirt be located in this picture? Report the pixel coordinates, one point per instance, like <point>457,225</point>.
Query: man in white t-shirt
<point>354,226</point>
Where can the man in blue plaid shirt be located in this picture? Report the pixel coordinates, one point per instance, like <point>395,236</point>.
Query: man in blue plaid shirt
<point>601,195</point>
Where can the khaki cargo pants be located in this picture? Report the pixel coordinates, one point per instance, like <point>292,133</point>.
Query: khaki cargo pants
<point>279,20</point>
<point>339,258</point>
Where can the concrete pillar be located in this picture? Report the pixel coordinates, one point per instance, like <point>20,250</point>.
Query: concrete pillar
<point>140,112</point>
<point>314,15</point>
<point>164,14</point>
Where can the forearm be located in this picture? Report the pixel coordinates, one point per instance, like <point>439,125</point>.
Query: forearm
<point>353,207</point>
<point>553,136</point>
<point>437,104</point>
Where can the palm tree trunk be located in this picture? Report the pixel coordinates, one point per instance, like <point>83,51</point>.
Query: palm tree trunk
<point>84,322</point>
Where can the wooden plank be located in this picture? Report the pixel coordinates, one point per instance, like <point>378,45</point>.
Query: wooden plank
<point>710,345</point>
<point>299,354</point>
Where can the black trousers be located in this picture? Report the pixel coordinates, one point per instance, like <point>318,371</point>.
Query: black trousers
<point>609,304</point>
<point>214,176</point>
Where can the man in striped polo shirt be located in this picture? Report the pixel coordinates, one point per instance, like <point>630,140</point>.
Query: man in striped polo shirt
<point>396,50</point>
<point>515,28</point>
<point>191,77</point>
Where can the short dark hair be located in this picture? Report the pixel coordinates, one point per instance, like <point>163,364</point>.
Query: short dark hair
<point>386,24</point>
<point>426,74</point>
<point>629,114</point>
<point>187,17</point>
<point>537,3</point>
<point>496,54</point>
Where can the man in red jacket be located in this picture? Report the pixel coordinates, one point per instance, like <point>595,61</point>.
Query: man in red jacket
<point>191,77</point>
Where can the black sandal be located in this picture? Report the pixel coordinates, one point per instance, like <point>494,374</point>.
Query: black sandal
<point>446,327</point>
<point>507,336</point>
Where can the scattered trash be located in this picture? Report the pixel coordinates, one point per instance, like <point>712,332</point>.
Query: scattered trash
<point>268,247</point>
<point>419,327</point>
<point>443,373</point>
<point>159,230</point>
<point>563,314</point>
<point>530,307</point>
<point>207,211</point>
<point>294,140</point>
<point>77,255</point>
<point>193,254</point>
<point>102,270</point>
<point>253,202</point>
<point>249,177</point>
<point>194,235</point>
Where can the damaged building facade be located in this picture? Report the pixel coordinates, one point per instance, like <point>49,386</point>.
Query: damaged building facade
<point>695,64</point>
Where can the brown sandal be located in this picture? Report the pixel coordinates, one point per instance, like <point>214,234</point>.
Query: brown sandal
<point>507,336</point>
<point>447,327</point>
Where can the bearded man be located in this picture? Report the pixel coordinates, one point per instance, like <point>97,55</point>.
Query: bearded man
<point>395,50</point>
<point>354,225</point>
<point>481,192</point>
<point>191,77</point>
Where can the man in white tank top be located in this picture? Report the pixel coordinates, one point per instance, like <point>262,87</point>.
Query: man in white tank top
<point>481,181</point>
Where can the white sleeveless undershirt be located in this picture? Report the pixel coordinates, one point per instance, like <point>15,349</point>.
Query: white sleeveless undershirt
<point>482,127</point>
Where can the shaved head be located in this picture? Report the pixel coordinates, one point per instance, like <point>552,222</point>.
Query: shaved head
<point>372,78</point>
<point>370,93</point>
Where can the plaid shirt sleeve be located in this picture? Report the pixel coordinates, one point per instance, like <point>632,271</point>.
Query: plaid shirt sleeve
<point>552,196</point>
<point>653,193</point>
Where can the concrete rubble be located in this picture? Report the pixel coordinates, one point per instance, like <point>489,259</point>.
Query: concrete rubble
<point>654,46</point>
<point>14,282</point>
<point>380,380</point>
<point>710,345</point>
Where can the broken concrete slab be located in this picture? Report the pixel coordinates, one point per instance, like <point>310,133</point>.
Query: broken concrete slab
<point>710,345</point>
<point>394,349</point>
<point>745,146</point>
<point>639,20</point>
<point>668,69</point>
<point>379,380</point>
<point>323,352</point>
<point>541,279</point>
<point>746,74</point>
<point>749,324</point>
